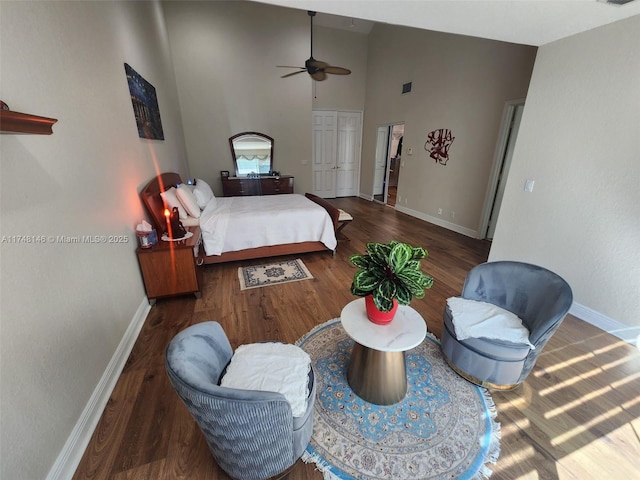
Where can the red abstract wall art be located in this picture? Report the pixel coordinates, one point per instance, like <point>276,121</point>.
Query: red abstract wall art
<point>438,143</point>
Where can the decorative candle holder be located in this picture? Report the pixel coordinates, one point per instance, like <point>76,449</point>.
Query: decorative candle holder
<point>175,229</point>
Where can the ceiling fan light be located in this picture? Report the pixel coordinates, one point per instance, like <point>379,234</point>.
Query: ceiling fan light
<point>319,76</point>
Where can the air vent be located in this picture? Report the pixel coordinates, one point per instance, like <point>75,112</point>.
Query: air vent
<point>406,88</point>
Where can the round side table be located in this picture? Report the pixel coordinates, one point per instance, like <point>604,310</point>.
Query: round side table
<point>377,371</point>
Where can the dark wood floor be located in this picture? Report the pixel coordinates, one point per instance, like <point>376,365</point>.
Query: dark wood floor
<point>576,417</point>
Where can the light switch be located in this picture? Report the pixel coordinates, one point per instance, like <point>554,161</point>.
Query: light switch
<point>528,185</point>
<point>409,151</point>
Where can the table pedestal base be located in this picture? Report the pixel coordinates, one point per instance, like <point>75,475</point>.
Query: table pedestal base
<point>377,377</point>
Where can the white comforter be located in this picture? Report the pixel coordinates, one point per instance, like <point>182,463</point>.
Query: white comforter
<point>237,223</point>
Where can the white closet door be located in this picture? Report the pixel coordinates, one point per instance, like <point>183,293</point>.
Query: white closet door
<point>336,153</point>
<point>348,161</point>
<point>324,158</point>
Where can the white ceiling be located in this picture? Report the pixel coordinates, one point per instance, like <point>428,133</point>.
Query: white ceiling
<point>529,22</point>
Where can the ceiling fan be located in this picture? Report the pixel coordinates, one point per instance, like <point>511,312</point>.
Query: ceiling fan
<point>317,69</point>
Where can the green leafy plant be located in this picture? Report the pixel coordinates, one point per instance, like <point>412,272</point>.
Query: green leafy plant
<point>390,270</point>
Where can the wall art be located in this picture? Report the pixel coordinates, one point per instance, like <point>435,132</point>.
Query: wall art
<point>145,105</point>
<point>438,144</point>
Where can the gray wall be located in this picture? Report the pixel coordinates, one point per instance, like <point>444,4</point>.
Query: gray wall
<point>225,56</point>
<point>580,141</point>
<point>65,307</point>
<point>459,83</point>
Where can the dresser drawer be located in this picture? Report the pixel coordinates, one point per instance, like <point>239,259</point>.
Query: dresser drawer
<point>274,186</point>
<point>237,187</point>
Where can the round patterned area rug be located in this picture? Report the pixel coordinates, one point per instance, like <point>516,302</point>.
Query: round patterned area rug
<point>443,429</point>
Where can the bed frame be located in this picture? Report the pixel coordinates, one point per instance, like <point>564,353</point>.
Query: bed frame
<point>152,201</point>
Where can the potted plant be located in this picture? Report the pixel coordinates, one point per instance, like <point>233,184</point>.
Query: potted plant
<point>389,274</point>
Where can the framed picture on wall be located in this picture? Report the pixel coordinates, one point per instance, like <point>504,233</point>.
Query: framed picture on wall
<point>224,173</point>
<point>145,105</point>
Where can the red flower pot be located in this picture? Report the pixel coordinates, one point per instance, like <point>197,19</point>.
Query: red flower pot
<point>375,315</point>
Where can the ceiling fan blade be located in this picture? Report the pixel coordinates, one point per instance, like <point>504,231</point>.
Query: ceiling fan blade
<point>293,73</point>
<point>336,70</point>
<point>290,66</point>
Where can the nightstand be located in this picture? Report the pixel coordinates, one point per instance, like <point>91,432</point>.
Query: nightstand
<point>173,268</point>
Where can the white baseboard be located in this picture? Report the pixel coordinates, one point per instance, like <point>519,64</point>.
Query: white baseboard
<point>428,218</point>
<point>71,454</point>
<point>438,221</point>
<point>624,332</point>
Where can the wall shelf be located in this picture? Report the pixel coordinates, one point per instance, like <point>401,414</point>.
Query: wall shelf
<point>17,122</point>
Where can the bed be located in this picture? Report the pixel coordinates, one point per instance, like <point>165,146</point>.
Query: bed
<point>233,229</point>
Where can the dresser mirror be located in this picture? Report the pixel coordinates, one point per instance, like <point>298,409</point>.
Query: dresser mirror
<point>252,154</point>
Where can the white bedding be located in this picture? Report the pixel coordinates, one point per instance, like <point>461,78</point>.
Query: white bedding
<point>237,223</point>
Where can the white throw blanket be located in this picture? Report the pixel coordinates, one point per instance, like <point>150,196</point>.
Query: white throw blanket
<point>237,223</point>
<point>473,319</point>
<point>272,367</point>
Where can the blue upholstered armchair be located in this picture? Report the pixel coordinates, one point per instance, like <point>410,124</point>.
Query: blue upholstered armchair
<point>251,434</point>
<point>539,297</point>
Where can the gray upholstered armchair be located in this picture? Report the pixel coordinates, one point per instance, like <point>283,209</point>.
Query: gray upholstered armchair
<point>251,434</point>
<point>539,297</point>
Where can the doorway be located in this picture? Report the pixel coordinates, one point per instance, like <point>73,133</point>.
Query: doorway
<point>506,143</point>
<point>388,162</point>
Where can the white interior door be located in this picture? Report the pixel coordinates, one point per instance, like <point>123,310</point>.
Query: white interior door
<point>336,153</point>
<point>380,169</point>
<point>348,158</point>
<point>324,153</point>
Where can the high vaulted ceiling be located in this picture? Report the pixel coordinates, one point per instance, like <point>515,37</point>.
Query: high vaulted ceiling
<point>528,22</point>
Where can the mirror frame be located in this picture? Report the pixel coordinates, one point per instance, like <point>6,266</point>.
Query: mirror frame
<point>253,134</point>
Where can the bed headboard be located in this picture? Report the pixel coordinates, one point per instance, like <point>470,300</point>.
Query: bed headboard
<point>152,200</point>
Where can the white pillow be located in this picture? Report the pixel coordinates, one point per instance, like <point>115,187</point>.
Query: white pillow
<point>203,193</point>
<point>272,367</point>
<point>188,200</point>
<point>171,200</point>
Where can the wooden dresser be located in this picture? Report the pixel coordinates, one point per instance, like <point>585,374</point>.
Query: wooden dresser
<point>241,186</point>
